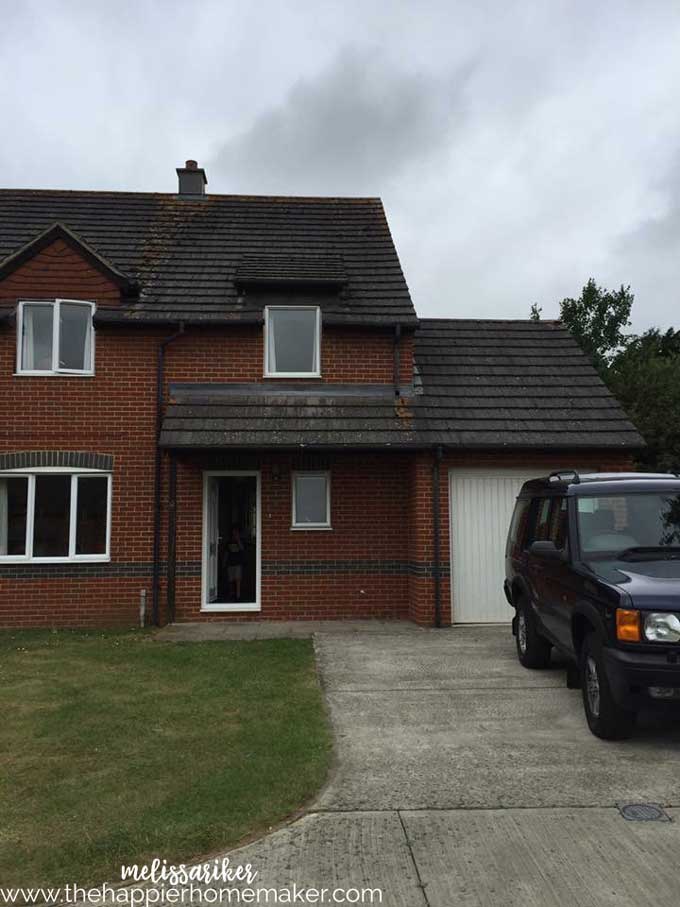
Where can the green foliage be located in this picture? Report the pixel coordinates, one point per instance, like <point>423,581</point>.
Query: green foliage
<point>643,371</point>
<point>597,320</point>
<point>535,313</point>
<point>645,377</point>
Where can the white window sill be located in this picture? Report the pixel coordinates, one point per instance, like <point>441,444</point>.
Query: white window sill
<point>311,528</point>
<point>54,374</point>
<point>93,559</point>
<point>285,375</point>
<point>230,606</point>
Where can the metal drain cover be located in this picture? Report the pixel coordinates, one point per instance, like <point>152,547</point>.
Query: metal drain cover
<point>643,812</point>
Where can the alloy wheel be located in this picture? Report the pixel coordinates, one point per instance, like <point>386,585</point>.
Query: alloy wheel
<point>522,632</point>
<point>592,687</point>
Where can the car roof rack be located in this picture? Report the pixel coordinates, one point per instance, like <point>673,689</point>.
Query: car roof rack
<point>557,475</point>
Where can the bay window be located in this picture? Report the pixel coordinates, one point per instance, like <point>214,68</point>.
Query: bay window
<point>55,516</point>
<point>55,338</point>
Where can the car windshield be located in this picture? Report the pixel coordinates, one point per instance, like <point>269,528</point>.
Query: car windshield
<point>634,525</point>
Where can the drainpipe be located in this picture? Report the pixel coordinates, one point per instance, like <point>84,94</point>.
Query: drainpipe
<point>160,375</point>
<point>436,516</point>
<point>172,538</point>
<point>397,359</point>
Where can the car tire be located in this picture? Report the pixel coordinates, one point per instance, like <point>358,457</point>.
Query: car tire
<point>533,650</point>
<point>606,718</point>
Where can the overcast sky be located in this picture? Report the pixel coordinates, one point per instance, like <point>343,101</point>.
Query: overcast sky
<point>519,147</point>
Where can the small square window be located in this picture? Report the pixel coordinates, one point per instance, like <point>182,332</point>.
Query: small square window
<point>55,338</point>
<point>311,500</point>
<point>292,341</point>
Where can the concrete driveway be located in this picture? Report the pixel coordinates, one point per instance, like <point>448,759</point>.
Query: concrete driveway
<point>463,779</point>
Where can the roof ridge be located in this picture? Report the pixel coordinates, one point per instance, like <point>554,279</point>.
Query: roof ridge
<point>358,199</point>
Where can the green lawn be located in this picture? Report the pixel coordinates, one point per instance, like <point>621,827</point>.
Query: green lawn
<point>115,747</point>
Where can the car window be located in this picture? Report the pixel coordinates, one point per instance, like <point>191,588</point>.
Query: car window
<point>559,526</point>
<point>541,532</point>
<point>518,527</point>
<point>608,525</point>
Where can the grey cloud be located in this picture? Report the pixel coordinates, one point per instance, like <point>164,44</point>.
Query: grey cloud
<point>350,129</point>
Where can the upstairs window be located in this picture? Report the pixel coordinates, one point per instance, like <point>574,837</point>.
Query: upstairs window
<point>55,516</point>
<point>55,338</point>
<point>292,342</point>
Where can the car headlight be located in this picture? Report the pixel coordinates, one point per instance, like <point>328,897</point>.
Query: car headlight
<point>662,627</point>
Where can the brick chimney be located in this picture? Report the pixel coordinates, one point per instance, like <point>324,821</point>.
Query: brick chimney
<point>192,180</point>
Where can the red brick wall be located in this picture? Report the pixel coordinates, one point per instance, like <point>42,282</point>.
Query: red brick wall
<point>348,356</point>
<point>368,541</point>
<point>113,412</point>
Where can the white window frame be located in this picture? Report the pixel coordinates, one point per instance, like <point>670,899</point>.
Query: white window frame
<point>292,308</point>
<point>55,370</point>
<point>72,557</point>
<point>309,473</point>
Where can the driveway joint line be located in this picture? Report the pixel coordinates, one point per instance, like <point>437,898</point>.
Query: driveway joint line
<point>560,686</point>
<point>332,810</point>
<point>413,859</point>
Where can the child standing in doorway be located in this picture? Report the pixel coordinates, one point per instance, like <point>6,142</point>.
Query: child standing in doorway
<point>235,559</point>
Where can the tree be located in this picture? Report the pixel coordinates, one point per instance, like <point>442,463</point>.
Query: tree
<point>535,313</point>
<point>597,320</point>
<point>645,377</point>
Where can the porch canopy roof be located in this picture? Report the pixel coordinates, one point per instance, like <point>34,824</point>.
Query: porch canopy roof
<point>287,416</point>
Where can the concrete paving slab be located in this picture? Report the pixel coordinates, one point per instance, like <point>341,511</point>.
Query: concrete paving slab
<point>544,858</point>
<point>340,850</point>
<point>511,743</point>
<point>480,657</point>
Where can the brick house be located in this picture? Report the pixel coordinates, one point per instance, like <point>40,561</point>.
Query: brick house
<point>228,406</point>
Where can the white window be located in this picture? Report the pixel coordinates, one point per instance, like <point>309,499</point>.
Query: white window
<point>311,500</point>
<point>55,338</point>
<point>48,516</point>
<point>292,342</point>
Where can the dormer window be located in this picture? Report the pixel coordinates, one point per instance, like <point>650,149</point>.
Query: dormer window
<point>292,346</point>
<point>55,338</point>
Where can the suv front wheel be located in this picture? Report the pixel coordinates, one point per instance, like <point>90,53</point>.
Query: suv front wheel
<point>533,650</point>
<point>606,718</point>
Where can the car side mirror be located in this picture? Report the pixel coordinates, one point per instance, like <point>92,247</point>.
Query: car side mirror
<point>546,550</point>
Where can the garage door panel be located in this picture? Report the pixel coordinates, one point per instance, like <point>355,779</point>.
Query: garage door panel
<point>480,506</point>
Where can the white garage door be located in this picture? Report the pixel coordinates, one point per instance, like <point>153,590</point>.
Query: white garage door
<point>480,506</point>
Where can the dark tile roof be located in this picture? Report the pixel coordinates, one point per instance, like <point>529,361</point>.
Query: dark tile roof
<point>498,384</point>
<point>263,415</point>
<point>479,384</point>
<point>188,255</point>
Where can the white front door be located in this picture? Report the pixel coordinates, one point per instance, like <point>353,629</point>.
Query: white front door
<point>231,575</point>
<point>480,507</point>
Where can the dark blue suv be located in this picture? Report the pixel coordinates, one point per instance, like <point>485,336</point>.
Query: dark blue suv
<point>593,568</point>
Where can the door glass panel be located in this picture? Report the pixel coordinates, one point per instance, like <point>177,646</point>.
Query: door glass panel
<point>52,516</point>
<point>75,326</point>
<point>93,492</point>
<point>13,506</point>
<point>232,556</point>
<point>37,338</point>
